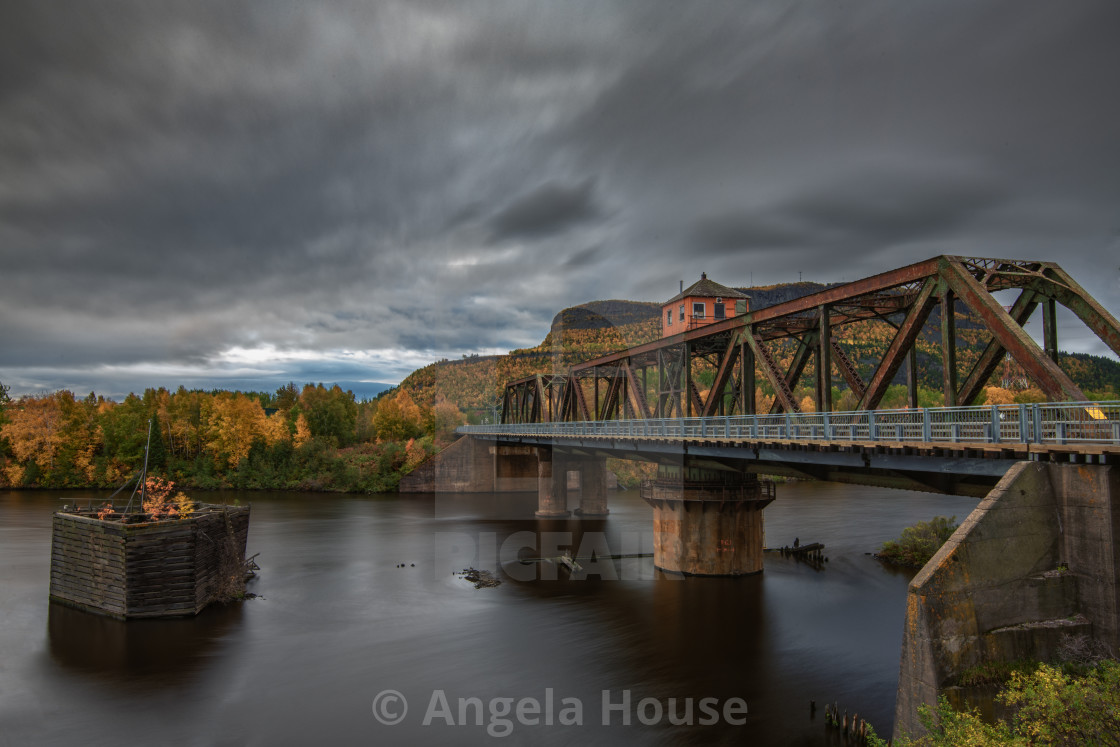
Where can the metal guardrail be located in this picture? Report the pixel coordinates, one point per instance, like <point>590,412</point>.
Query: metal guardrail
<point>1045,423</point>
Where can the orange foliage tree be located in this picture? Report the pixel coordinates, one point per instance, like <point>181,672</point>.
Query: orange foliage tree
<point>398,417</point>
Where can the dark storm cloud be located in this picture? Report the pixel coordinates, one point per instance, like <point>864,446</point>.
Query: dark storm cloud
<point>866,210</point>
<point>355,185</point>
<point>547,209</point>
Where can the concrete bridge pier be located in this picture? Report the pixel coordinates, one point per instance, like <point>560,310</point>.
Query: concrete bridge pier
<point>552,484</point>
<point>593,488</point>
<point>707,522</point>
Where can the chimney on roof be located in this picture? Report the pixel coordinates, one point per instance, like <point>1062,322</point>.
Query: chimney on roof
<point>703,276</point>
<point>682,287</point>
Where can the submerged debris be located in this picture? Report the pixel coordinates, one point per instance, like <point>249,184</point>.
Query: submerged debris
<point>480,579</point>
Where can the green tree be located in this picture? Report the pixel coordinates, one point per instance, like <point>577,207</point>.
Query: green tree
<point>919,543</point>
<point>126,431</point>
<point>331,414</point>
<point>286,397</point>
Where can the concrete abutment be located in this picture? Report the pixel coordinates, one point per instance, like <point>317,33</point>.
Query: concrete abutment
<point>1036,561</point>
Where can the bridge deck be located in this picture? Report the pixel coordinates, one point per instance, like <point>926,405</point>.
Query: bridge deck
<point>958,449</point>
<point>1077,453</point>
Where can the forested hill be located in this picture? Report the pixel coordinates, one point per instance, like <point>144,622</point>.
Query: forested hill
<point>597,328</point>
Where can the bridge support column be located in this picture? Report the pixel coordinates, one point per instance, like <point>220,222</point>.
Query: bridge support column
<point>593,488</point>
<point>552,484</point>
<point>707,522</point>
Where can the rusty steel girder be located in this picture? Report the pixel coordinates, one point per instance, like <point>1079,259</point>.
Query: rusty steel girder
<point>657,379</point>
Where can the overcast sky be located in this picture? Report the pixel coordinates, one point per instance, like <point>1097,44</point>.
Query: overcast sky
<point>238,194</point>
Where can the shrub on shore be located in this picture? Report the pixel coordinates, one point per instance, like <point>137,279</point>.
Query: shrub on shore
<point>1053,705</point>
<point>918,543</point>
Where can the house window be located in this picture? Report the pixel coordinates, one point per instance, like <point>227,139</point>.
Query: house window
<point>669,317</point>
<point>719,311</point>
<point>698,311</point>
<point>682,314</point>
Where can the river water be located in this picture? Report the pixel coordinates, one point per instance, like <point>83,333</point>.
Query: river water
<point>551,658</point>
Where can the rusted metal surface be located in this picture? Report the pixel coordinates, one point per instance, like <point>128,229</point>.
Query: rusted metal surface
<point>993,354</point>
<point>736,347</point>
<point>1052,380</point>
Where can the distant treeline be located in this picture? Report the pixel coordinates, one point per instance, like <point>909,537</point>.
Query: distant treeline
<point>314,438</point>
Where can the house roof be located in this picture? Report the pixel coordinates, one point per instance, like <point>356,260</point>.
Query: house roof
<point>707,288</point>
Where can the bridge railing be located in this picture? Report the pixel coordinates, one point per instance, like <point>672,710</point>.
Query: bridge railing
<point>1052,423</point>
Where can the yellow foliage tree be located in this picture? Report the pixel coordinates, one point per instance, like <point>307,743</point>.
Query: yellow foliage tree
<point>998,396</point>
<point>398,418</point>
<point>33,430</point>
<point>303,432</point>
<point>276,429</point>
<point>235,421</point>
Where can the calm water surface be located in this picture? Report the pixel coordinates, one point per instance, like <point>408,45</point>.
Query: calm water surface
<point>338,622</point>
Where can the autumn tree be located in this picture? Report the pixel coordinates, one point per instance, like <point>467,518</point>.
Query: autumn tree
<point>236,421</point>
<point>398,417</point>
<point>82,442</point>
<point>180,418</point>
<point>302,435</point>
<point>446,418</point>
<point>998,396</point>
<point>33,433</point>
<point>4,400</point>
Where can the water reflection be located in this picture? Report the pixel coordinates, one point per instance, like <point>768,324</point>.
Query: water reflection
<point>341,621</point>
<point>158,652</point>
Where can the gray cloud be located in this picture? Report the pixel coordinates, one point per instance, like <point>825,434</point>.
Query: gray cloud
<point>547,209</point>
<point>376,185</point>
<point>863,210</point>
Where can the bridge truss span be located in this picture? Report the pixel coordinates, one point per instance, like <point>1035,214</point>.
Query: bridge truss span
<point>658,380</point>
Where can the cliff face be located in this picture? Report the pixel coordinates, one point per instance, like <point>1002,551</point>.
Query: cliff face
<point>605,314</point>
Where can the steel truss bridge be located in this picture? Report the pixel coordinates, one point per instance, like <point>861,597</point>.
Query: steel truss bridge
<point>644,402</point>
<point>657,380</point>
